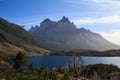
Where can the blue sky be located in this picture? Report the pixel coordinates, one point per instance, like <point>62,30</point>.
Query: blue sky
<point>102,16</point>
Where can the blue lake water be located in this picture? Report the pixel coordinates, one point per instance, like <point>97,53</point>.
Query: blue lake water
<point>61,61</point>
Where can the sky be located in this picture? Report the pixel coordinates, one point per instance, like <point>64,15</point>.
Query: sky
<point>100,16</point>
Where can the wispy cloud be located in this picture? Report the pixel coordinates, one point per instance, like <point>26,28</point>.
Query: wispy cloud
<point>112,5</point>
<point>94,1</point>
<point>98,4</point>
<point>113,36</point>
<point>106,1</point>
<point>100,20</point>
<point>78,3</point>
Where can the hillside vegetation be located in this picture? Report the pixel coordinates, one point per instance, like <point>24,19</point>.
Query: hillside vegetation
<point>14,38</point>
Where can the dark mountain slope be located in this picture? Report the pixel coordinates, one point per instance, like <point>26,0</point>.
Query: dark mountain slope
<point>17,31</point>
<point>14,38</point>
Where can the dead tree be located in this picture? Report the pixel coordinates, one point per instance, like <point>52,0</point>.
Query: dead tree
<point>77,62</point>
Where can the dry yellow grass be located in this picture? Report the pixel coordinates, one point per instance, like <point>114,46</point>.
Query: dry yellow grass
<point>30,50</point>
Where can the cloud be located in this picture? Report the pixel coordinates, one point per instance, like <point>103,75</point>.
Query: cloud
<point>107,4</point>
<point>113,36</point>
<point>106,1</point>
<point>94,1</point>
<point>100,20</point>
<point>78,3</point>
<point>96,4</point>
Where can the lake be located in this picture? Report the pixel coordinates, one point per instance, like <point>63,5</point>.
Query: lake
<point>61,61</point>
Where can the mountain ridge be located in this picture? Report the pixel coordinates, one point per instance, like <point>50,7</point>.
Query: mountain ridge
<point>62,35</point>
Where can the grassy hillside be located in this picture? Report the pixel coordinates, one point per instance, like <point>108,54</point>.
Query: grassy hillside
<point>17,31</point>
<point>14,38</point>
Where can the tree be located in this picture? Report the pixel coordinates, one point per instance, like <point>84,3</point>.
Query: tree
<point>20,61</point>
<point>77,62</point>
<point>30,67</point>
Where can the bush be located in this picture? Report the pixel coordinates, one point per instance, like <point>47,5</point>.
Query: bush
<point>66,77</point>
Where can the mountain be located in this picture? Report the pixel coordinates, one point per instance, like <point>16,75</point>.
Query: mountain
<point>63,35</point>
<point>14,38</point>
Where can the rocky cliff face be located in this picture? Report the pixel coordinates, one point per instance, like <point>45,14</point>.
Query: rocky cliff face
<point>63,35</point>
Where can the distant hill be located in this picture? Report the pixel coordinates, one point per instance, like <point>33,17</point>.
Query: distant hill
<point>63,35</point>
<point>14,38</point>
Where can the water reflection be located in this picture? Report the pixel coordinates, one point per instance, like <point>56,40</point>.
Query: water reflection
<point>105,60</point>
<point>58,61</point>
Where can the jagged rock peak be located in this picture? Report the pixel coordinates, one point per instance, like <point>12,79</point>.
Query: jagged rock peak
<point>83,29</point>
<point>37,26</point>
<point>47,20</point>
<point>64,19</point>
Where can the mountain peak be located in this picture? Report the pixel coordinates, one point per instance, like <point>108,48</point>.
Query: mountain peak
<point>63,35</point>
<point>47,20</point>
<point>82,29</point>
<point>64,19</point>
